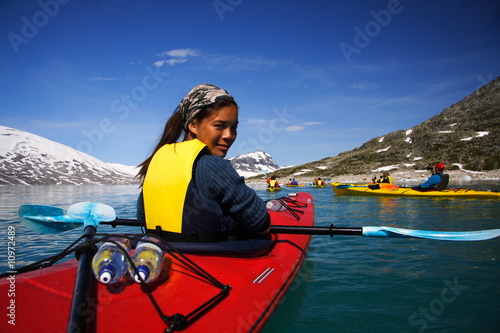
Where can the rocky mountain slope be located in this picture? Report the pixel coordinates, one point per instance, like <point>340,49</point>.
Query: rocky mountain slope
<point>29,159</point>
<point>464,135</point>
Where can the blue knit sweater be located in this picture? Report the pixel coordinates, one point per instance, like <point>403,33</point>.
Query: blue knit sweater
<point>226,193</point>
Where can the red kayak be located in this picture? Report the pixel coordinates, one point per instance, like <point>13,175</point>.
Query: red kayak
<point>238,294</point>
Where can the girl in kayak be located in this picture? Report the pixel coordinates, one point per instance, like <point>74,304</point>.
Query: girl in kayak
<point>272,182</point>
<point>189,191</point>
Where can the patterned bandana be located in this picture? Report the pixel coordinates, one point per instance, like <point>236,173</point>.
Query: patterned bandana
<point>199,97</point>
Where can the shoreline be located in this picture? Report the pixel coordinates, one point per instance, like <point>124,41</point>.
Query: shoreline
<point>414,176</point>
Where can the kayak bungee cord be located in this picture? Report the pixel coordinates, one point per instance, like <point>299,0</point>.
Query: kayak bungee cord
<point>174,322</point>
<point>287,202</point>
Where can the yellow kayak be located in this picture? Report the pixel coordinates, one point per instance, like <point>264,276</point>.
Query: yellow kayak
<point>408,191</point>
<point>272,189</point>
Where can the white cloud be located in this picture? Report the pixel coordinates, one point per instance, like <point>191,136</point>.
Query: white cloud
<point>159,63</point>
<point>102,79</point>
<point>236,64</point>
<point>172,62</point>
<point>364,85</point>
<point>312,123</point>
<point>177,56</point>
<point>181,53</point>
<point>295,128</point>
<point>256,121</point>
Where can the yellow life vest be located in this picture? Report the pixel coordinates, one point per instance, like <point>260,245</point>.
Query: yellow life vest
<point>167,180</point>
<point>273,183</point>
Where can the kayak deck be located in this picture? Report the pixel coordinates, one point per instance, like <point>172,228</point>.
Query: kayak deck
<point>255,285</point>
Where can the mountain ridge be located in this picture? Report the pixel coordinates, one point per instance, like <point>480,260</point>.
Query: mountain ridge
<point>466,134</point>
<point>29,159</point>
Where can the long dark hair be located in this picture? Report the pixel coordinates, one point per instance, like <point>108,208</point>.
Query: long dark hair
<point>175,127</point>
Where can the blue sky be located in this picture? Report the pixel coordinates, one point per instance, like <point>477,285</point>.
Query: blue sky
<point>312,78</point>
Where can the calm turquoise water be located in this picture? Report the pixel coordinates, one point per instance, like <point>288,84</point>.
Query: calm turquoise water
<point>347,283</point>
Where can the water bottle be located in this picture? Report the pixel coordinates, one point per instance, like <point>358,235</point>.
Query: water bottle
<point>275,205</point>
<point>148,258</point>
<point>109,263</point>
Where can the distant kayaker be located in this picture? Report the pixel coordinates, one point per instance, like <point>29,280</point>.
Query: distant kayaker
<point>293,182</point>
<point>272,182</point>
<point>385,178</point>
<point>189,191</point>
<point>437,181</point>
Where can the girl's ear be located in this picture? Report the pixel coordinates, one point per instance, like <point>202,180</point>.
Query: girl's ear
<point>193,128</point>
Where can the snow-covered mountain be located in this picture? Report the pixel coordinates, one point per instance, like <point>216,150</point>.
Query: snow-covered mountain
<point>29,159</point>
<point>251,164</point>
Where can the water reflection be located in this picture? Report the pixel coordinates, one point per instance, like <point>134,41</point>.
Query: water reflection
<point>349,283</point>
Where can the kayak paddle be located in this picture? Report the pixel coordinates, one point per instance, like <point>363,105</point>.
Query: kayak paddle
<point>265,173</point>
<point>90,214</point>
<point>47,219</point>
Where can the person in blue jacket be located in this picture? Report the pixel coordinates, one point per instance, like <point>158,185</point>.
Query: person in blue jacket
<point>190,193</point>
<point>437,181</point>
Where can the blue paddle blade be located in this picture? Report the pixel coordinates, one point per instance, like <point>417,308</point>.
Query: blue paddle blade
<point>50,219</point>
<point>263,171</point>
<point>47,219</point>
<point>92,212</point>
<point>439,235</point>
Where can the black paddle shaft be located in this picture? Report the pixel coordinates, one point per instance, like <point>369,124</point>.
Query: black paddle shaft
<point>276,229</point>
<point>83,307</point>
<point>306,230</point>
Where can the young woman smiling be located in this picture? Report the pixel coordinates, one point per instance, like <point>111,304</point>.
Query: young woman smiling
<point>190,192</point>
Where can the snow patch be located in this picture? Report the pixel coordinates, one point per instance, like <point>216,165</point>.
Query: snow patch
<point>479,135</point>
<point>381,139</point>
<point>385,149</point>
<point>460,166</point>
<point>386,168</point>
<point>127,169</point>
